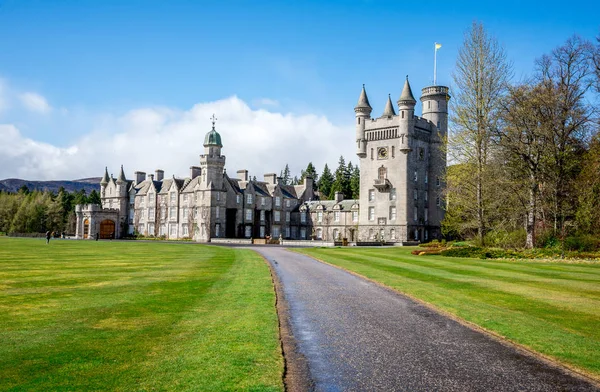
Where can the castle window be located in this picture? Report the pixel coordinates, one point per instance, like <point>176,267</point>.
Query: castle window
<point>195,213</point>
<point>275,231</point>
<point>302,233</point>
<point>263,201</point>
<point>287,203</point>
<point>416,217</point>
<point>218,230</point>
<point>302,217</point>
<point>336,216</point>
<point>416,177</point>
<point>248,214</point>
<point>336,234</point>
<point>248,231</point>
<point>151,214</point>
<point>392,213</point>
<point>262,215</point>
<point>371,213</point>
<point>437,201</point>
<point>287,217</point>
<point>216,212</point>
<point>261,232</point>
<point>393,151</point>
<point>276,216</point>
<point>185,198</point>
<point>277,201</point>
<point>416,194</point>
<point>371,234</point>
<point>426,178</point>
<point>438,125</point>
<point>426,235</point>
<point>359,120</point>
<point>172,197</point>
<point>403,114</point>
<point>437,181</point>
<point>218,196</point>
<point>163,213</point>
<point>249,198</point>
<point>354,216</point>
<point>371,153</point>
<point>320,216</point>
<point>184,230</point>
<point>238,199</point>
<point>172,213</point>
<point>150,228</point>
<point>428,104</point>
<point>287,232</point>
<point>319,234</point>
<point>421,153</point>
<point>426,196</point>
<point>371,194</point>
<point>393,234</point>
<point>382,173</point>
<point>173,230</point>
<point>393,194</point>
<point>426,215</point>
<point>150,197</point>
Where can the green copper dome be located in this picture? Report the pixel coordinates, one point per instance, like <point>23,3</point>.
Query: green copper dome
<point>213,138</point>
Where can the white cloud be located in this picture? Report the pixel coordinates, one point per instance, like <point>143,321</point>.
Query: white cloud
<point>146,139</point>
<point>3,96</point>
<point>35,103</point>
<point>266,102</point>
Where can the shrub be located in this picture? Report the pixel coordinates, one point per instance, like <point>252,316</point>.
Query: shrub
<point>582,243</point>
<point>506,239</point>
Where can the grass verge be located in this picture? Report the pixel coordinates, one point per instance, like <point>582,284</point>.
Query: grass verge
<point>132,316</point>
<point>552,308</point>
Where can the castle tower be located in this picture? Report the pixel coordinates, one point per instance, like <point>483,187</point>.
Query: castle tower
<point>363,113</point>
<point>122,184</point>
<point>435,109</point>
<point>406,114</point>
<point>212,162</point>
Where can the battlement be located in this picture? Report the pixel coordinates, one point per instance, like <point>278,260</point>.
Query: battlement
<point>434,90</point>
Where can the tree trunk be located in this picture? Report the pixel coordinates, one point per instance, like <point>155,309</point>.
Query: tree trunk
<point>530,226</point>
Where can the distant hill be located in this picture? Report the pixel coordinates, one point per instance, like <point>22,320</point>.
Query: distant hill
<point>89,184</point>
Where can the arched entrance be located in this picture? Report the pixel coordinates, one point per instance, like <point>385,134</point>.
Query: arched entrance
<point>107,229</point>
<point>86,228</point>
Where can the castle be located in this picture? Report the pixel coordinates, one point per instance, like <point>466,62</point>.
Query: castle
<point>402,167</point>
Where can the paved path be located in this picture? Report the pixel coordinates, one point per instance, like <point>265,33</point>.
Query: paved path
<point>359,336</point>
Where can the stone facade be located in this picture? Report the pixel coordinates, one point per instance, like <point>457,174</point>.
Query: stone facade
<point>401,166</point>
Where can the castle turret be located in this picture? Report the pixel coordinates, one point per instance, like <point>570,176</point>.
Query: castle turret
<point>212,162</point>
<point>363,112</point>
<point>121,183</point>
<point>104,182</point>
<point>406,114</point>
<point>389,111</point>
<point>435,107</point>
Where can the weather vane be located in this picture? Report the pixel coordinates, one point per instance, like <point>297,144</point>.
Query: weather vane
<point>213,118</point>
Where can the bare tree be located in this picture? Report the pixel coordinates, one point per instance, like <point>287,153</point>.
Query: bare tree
<point>481,76</point>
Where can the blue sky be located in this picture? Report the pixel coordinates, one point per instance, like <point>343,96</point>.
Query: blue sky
<point>90,66</point>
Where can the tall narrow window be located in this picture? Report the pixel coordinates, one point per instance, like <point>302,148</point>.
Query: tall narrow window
<point>371,213</point>
<point>382,173</point>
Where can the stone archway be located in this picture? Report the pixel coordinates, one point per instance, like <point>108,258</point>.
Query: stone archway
<point>107,229</point>
<point>86,228</point>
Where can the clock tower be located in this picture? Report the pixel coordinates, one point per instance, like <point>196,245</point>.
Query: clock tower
<point>400,160</point>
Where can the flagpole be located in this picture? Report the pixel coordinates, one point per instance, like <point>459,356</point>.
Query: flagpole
<point>434,62</point>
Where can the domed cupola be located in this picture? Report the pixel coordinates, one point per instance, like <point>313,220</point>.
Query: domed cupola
<point>212,138</point>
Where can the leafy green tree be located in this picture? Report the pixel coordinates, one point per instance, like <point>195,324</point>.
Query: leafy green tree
<point>94,198</point>
<point>325,182</point>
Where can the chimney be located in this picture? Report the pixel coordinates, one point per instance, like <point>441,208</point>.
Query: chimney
<point>159,174</point>
<point>243,175</point>
<point>279,180</point>
<point>271,178</point>
<point>151,177</point>
<point>139,177</point>
<point>339,196</point>
<point>195,171</point>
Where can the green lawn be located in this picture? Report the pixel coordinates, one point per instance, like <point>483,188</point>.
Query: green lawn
<point>135,316</point>
<point>552,308</point>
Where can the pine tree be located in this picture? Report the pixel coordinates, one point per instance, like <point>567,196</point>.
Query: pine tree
<point>355,183</point>
<point>325,182</point>
<point>285,175</point>
<point>310,172</point>
<point>342,179</point>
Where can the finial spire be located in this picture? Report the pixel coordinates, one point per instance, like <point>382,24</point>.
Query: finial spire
<point>363,102</point>
<point>105,179</point>
<point>389,108</point>
<point>213,118</point>
<point>407,95</point>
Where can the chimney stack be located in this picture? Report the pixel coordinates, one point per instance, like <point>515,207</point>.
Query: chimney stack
<point>159,174</point>
<point>195,171</point>
<point>271,178</point>
<point>243,175</point>
<point>139,177</point>
<point>151,177</point>
<point>339,196</point>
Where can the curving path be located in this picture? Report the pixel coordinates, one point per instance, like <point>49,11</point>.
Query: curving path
<point>356,335</point>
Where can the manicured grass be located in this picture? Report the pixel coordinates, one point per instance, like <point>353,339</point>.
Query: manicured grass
<point>552,308</point>
<point>136,316</point>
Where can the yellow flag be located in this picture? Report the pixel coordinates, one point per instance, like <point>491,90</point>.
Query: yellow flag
<point>437,46</point>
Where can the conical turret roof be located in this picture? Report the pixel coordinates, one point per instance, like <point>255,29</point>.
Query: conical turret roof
<point>105,179</point>
<point>407,95</point>
<point>121,179</point>
<point>389,108</point>
<point>363,100</point>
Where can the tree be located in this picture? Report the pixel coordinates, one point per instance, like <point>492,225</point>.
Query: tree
<point>565,76</point>
<point>325,182</point>
<point>94,198</point>
<point>341,181</point>
<point>524,142</point>
<point>588,190</point>
<point>310,172</point>
<point>285,175</point>
<point>481,77</point>
<point>355,183</point>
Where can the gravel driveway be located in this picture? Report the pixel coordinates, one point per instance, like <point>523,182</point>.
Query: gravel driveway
<point>358,336</point>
